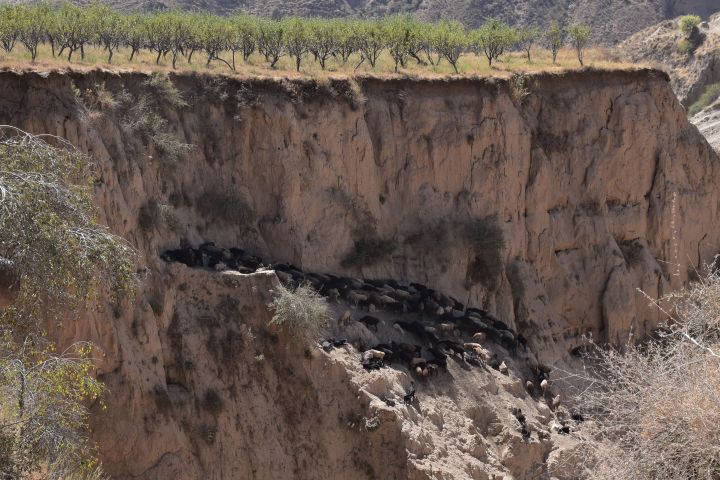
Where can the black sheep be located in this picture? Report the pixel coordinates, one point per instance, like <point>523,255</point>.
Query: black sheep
<point>187,256</point>
<point>454,347</point>
<point>410,394</point>
<point>370,322</point>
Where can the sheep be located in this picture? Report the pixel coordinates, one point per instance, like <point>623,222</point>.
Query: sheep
<point>556,401</point>
<point>372,353</point>
<point>386,349</point>
<point>186,256</point>
<point>544,386</point>
<point>355,297</point>
<point>446,328</point>
<point>418,361</point>
<point>370,322</point>
<point>372,364</point>
<point>529,386</point>
<point>284,277</point>
<point>410,394</point>
<point>503,368</point>
<point>479,337</point>
<point>333,294</point>
<point>454,347</point>
<point>472,346</point>
<point>344,318</point>
<point>438,358</point>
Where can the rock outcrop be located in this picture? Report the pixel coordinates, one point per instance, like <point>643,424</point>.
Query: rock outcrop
<point>597,181</point>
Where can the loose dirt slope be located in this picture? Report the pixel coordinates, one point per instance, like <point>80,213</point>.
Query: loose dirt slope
<point>597,180</point>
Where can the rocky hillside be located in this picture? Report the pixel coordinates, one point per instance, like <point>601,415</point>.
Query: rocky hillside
<point>612,20</point>
<point>689,73</point>
<point>596,180</point>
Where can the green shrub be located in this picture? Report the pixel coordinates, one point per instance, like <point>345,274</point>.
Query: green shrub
<point>369,251</point>
<point>688,24</point>
<point>302,312</point>
<point>165,90</point>
<point>685,46</point>
<point>711,93</point>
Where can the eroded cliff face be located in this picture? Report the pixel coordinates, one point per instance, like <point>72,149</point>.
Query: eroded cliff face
<point>597,180</point>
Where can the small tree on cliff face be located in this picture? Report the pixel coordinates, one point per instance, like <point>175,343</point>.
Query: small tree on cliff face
<point>54,259</point>
<point>579,37</point>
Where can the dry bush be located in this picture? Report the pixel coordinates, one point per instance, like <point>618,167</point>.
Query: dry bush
<point>368,251</point>
<point>222,206</point>
<point>487,242</point>
<point>302,312</point>
<point>654,408</point>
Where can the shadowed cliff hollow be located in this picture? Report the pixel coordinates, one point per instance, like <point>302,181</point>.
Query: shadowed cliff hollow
<point>597,181</point>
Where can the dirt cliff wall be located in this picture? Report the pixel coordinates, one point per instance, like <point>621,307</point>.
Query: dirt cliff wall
<point>596,179</point>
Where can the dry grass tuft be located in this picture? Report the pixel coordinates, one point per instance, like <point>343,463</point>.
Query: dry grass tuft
<point>302,312</point>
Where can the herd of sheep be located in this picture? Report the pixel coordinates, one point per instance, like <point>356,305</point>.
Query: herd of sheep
<point>435,327</point>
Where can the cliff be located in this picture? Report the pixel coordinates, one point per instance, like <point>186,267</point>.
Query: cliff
<point>596,179</point>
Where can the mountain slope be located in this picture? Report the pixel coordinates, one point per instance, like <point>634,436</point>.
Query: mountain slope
<point>612,20</point>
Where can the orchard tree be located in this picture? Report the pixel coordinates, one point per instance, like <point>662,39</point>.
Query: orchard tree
<point>74,29</point>
<point>158,35</point>
<point>109,27</point>
<point>324,39</point>
<point>296,39</point>
<point>579,37</point>
<point>245,35</point>
<point>371,41</point>
<point>449,40</point>
<point>397,32</point>
<point>136,33</point>
<point>554,38</point>
<point>492,39</point>
<point>213,37</point>
<point>271,40</point>
<point>10,22</point>
<point>34,21</point>
<point>198,26</point>
<point>526,38</point>
<point>347,42</point>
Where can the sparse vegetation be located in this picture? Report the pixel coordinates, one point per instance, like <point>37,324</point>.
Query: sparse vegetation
<point>142,115</point>
<point>486,241</point>
<point>302,312</point>
<point>711,93</point>
<point>369,251</point>
<point>212,402</point>
<point>518,86</point>
<point>221,206</point>
<point>654,407</point>
<point>692,37</point>
<point>689,24</point>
